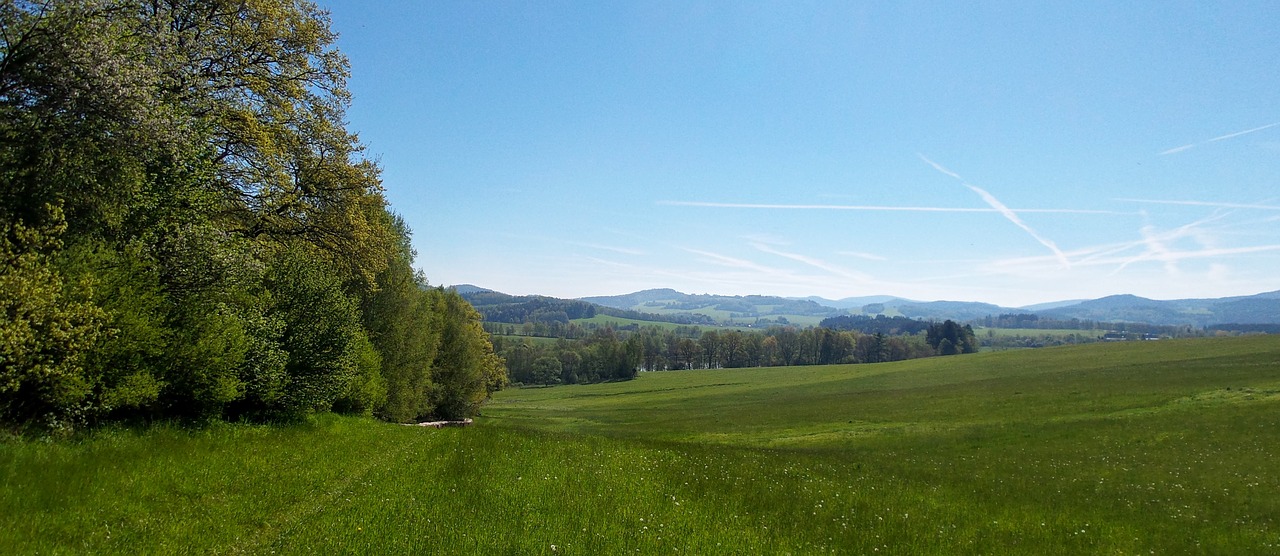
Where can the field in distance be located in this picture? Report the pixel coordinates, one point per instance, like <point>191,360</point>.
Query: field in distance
<point>1165,447</point>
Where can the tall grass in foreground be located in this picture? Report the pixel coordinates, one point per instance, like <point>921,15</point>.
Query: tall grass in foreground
<point>1166,448</point>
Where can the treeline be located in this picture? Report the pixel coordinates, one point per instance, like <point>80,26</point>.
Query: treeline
<point>188,230</point>
<point>877,324</point>
<point>1027,320</point>
<point>652,348</point>
<point>604,355</point>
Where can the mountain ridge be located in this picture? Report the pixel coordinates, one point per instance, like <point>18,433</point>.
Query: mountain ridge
<point>1257,309</point>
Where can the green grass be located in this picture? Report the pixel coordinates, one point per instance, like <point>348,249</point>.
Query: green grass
<point>602,320</point>
<point>1036,332</point>
<point>535,340</point>
<point>1125,448</point>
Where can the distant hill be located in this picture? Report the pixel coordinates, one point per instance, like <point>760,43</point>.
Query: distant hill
<point>674,306</point>
<point>855,302</point>
<point>467,289</point>
<point>1049,305</point>
<point>517,309</point>
<point>719,307</point>
<point>1263,308</point>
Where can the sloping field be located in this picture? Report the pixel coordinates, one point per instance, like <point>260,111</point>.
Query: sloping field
<point>1164,447</point>
<point>827,406</point>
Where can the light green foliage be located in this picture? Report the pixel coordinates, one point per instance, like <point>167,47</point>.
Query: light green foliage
<point>48,325</point>
<point>403,321</point>
<point>209,345</point>
<point>466,371</point>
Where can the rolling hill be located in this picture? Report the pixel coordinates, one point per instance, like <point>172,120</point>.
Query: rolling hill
<point>665,303</point>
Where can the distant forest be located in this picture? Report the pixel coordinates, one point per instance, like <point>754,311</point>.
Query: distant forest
<point>549,341</point>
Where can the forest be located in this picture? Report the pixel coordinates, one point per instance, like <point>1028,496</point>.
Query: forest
<point>188,230</point>
<point>608,354</point>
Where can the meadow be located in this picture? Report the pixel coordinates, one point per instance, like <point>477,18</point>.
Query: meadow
<point>1121,448</point>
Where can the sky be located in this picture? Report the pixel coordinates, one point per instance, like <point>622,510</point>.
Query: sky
<point>1005,152</point>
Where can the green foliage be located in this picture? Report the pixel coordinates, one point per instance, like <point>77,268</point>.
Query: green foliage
<point>367,389</point>
<point>466,371</point>
<point>950,338</point>
<point>127,363</point>
<point>403,321</point>
<point>226,250</point>
<point>208,347</point>
<point>547,370</point>
<point>49,325</point>
<point>322,333</point>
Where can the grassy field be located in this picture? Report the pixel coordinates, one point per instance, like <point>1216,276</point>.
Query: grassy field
<point>602,320</point>
<point>1036,332</point>
<point>535,340</point>
<point>1124,448</point>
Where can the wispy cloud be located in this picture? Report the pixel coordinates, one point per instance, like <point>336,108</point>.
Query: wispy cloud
<point>621,250</point>
<point>1251,206</point>
<point>862,255</point>
<point>1176,149</point>
<point>1218,138</point>
<point>1197,240</point>
<point>1004,210</point>
<point>767,239</point>
<point>813,262</point>
<point>1245,132</point>
<point>880,208</point>
<point>1164,256</point>
<point>733,262</point>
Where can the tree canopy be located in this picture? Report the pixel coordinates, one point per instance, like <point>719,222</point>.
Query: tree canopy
<point>187,228</point>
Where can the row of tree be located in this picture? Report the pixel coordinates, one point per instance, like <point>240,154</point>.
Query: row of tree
<point>654,348</point>
<point>187,228</point>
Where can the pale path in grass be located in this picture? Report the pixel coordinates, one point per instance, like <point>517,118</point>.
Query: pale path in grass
<point>290,517</point>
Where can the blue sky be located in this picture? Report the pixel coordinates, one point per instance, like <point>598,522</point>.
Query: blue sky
<point>1008,152</point>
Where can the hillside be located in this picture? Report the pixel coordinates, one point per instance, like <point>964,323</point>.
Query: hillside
<point>668,305</point>
<point>1262,308</point>
<point>1146,447</point>
<point>668,301</point>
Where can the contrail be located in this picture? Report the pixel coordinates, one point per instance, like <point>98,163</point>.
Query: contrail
<point>1203,204</point>
<point>1177,149</point>
<point>873,208</point>
<point>1245,132</point>
<point>1000,207</point>
<point>1218,138</point>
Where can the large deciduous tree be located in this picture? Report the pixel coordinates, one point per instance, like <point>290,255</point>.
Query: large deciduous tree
<point>189,228</point>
